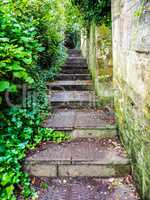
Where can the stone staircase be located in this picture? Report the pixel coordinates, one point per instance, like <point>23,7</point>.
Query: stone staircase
<point>94,150</point>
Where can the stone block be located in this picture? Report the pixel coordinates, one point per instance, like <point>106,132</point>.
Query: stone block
<point>41,170</point>
<point>92,171</point>
<point>93,133</point>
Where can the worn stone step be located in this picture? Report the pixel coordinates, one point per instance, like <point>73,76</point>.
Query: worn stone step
<point>85,188</point>
<point>75,71</point>
<point>73,99</point>
<point>74,51</point>
<point>76,60</point>
<point>82,120</point>
<point>100,133</point>
<point>74,55</point>
<point>82,157</point>
<point>73,77</point>
<point>74,65</point>
<point>71,85</point>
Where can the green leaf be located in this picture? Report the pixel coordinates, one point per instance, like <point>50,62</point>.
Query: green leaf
<point>41,49</point>
<point>29,80</point>
<point>23,145</point>
<point>4,85</point>
<point>23,75</point>
<point>4,39</point>
<point>6,178</point>
<point>4,158</point>
<point>10,190</point>
<point>20,74</point>
<point>2,148</point>
<point>25,39</point>
<point>16,66</point>
<point>12,88</point>
<point>28,61</point>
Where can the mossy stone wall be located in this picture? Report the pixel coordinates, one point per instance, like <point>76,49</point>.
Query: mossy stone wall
<point>131,58</point>
<point>90,48</point>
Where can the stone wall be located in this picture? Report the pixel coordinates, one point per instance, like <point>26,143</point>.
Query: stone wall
<point>131,60</point>
<point>90,49</point>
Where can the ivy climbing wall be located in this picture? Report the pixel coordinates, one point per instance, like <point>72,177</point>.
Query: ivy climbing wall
<point>131,62</point>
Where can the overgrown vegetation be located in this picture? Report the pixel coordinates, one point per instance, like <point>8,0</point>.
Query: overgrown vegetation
<point>31,53</point>
<point>97,11</point>
<point>74,24</point>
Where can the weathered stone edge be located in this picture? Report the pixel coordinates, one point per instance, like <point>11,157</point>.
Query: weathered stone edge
<point>78,170</point>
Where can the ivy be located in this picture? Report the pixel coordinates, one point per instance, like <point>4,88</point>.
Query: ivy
<point>22,134</point>
<point>31,53</point>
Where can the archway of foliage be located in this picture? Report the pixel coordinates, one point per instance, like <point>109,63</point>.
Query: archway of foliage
<point>31,53</point>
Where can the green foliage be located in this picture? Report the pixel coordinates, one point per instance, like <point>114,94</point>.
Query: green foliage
<point>96,10</point>
<point>51,26</point>
<point>30,34</point>
<point>31,52</point>
<point>74,20</point>
<point>139,11</point>
<point>19,47</point>
<point>74,24</point>
<point>20,132</point>
<point>44,186</point>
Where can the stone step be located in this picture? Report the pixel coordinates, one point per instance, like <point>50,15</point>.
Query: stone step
<point>74,55</point>
<point>82,121</point>
<point>75,71</point>
<point>74,51</point>
<point>76,60</point>
<point>73,99</point>
<point>70,85</point>
<point>79,158</point>
<point>73,77</point>
<point>107,132</point>
<point>75,65</point>
<point>85,188</point>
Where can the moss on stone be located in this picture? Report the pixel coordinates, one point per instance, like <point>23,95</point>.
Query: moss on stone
<point>135,137</point>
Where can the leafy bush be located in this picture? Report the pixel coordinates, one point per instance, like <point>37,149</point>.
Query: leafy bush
<point>29,33</point>
<point>20,132</point>
<point>31,52</point>
<point>51,28</point>
<point>19,48</point>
